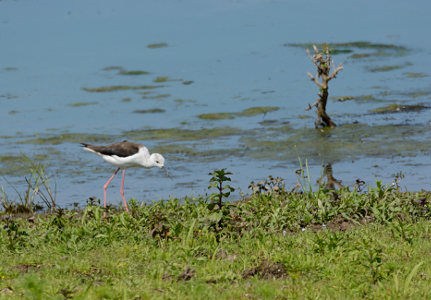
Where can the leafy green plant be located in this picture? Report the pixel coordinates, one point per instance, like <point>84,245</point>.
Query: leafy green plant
<point>218,179</point>
<point>372,256</point>
<point>15,235</point>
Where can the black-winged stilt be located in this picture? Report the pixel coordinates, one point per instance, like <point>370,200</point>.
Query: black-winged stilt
<point>125,155</point>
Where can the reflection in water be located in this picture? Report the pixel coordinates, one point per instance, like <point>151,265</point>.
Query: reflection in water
<point>330,179</point>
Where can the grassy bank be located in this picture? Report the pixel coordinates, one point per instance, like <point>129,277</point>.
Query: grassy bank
<point>273,245</point>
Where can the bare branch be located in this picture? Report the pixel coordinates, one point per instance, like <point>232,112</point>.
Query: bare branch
<point>314,79</point>
<point>334,74</point>
<point>313,105</point>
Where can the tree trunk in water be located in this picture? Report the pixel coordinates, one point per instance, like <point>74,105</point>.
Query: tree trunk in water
<point>323,65</point>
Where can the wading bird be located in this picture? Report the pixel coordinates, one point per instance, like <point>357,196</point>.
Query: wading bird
<point>125,155</point>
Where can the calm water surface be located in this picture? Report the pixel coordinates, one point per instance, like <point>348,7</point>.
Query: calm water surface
<point>203,57</point>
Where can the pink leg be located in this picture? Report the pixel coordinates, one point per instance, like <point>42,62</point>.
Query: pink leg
<point>104,190</point>
<point>122,191</point>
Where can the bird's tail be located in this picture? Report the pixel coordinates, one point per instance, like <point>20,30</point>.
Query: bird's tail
<point>86,147</point>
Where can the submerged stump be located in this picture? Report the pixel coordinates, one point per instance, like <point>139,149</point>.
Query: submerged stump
<point>323,62</point>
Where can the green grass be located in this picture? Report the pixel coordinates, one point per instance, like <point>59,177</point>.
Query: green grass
<point>273,245</point>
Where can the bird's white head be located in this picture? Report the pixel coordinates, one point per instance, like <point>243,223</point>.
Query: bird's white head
<point>157,160</point>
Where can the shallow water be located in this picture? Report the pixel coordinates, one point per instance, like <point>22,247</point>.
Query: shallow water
<point>153,72</point>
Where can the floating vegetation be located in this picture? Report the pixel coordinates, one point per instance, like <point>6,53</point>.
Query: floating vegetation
<point>161,79</point>
<point>114,68</point>
<point>359,45</point>
<point>13,112</point>
<point>252,111</point>
<point>388,68</point>
<point>361,55</point>
<point>188,82</point>
<point>159,96</point>
<point>126,99</point>
<point>399,108</point>
<point>415,75</point>
<point>113,88</point>
<point>8,96</point>
<point>217,116</point>
<point>249,112</point>
<point>343,48</point>
<point>182,101</point>
<point>149,111</point>
<point>133,72</point>
<point>178,134</point>
<point>345,98</point>
<point>78,104</point>
<point>157,45</point>
<point>10,69</point>
<point>70,138</point>
<point>164,79</point>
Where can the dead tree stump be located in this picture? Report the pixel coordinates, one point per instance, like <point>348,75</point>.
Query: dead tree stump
<point>323,62</point>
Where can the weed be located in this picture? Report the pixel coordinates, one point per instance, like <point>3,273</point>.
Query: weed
<point>217,181</point>
<point>15,235</point>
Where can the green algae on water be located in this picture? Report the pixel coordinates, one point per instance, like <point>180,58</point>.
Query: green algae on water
<point>133,72</point>
<point>178,134</point>
<point>70,138</point>
<point>249,112</point>
<point>113,88</point>
<point>344,98</point>
<point>415,75</point>
<point>216,116</point>
<point>159,96</point>
<point>78,104</point>
<point>359,45</point>
<point>157,45</point>
<point>114,68</point>
<point>161,79</point>
<point>149,111</point>
<point>252,111</point>
<point>164,79</point>
<point>388,68</point>
<point>392,108</point>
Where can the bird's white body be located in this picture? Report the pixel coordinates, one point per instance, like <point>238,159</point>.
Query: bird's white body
<point>126,158</point>
<point>140,159</point>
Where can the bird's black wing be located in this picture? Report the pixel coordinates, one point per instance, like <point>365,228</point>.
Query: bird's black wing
<point>122,149</point>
